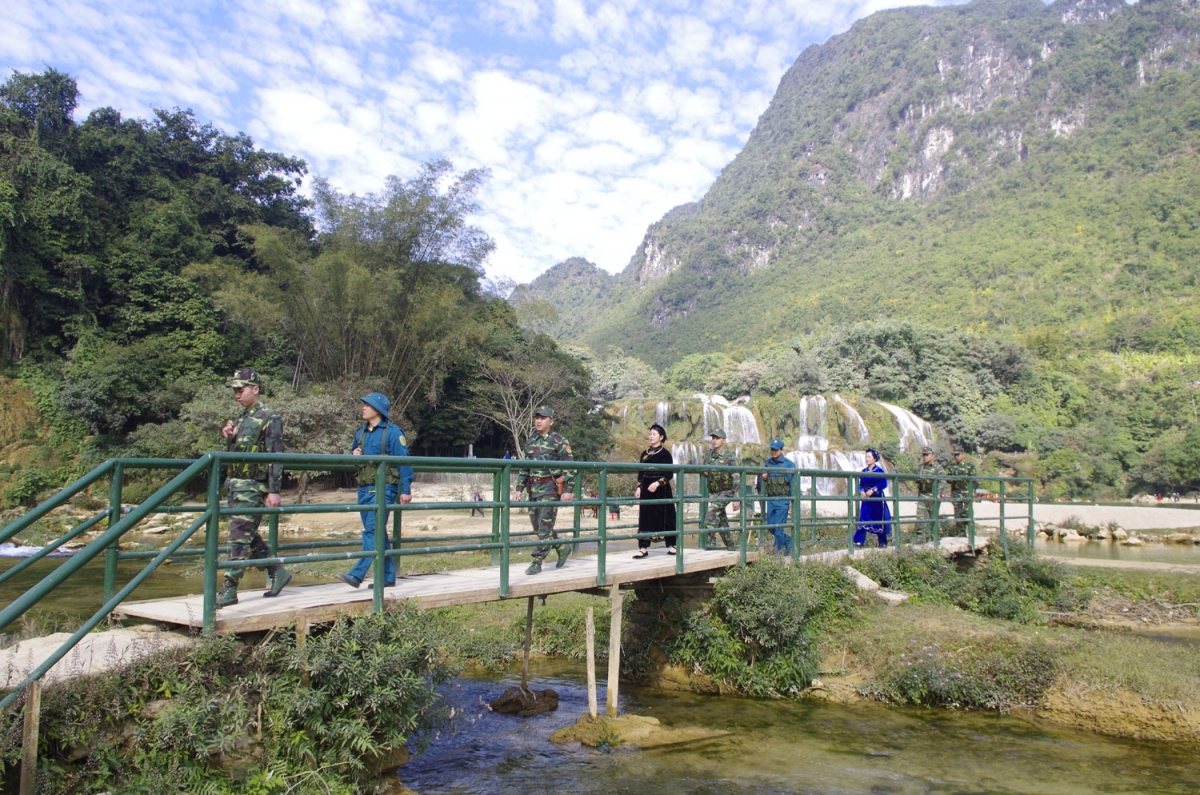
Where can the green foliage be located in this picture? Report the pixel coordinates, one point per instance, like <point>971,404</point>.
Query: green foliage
<point>159,723</point>
<point>760,634</point>
<point>994,673</point>
<point>1013,587</point>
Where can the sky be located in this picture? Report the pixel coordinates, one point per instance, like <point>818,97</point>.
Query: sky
<point>594,117</point>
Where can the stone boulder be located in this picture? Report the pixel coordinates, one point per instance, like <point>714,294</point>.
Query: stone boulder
<point>1119,533</point>
<point>1177,538</point>
<point>515,701</point>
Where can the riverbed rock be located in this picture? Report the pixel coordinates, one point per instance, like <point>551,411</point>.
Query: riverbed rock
<point>1177,538</point>
<point>891,597</point>
<point>861,580</point>
<point>1119,533</point>
<point>515,701</point>
<point>1133,541</point>
<point>634,730</point>
<point>388,761</point>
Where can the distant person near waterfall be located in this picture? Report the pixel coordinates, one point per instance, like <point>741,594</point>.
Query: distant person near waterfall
<point>777,482</point>
<point>656,512</point>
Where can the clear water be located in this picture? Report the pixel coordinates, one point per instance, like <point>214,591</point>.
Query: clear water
<point>1107,550</point>
<point>783,747</point>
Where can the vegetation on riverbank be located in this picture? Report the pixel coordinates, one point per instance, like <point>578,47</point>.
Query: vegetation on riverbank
<point>223,716</point>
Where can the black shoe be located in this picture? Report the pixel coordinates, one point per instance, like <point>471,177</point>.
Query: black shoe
<point>670,550</point>
<point>390,584</point>
<point>642,553</point>
<point>352,581</point>
<point>278,583</point>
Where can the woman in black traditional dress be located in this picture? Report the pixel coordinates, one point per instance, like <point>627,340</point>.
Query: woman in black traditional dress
<point>656,514</point>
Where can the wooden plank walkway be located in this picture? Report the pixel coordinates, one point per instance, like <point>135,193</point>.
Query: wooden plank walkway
<point>316,603</point>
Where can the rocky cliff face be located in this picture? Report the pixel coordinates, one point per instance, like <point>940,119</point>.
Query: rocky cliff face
<point>913,103</point>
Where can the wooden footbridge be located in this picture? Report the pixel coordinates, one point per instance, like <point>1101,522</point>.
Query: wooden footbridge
<point>819,521</point>
<point>314,604</point>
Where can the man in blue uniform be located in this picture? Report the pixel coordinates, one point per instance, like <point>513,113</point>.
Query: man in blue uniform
<point>378,436</point>
<point>777,482</point>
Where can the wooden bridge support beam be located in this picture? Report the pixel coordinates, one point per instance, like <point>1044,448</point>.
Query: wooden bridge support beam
<point>614,650</point>
<point>29,740</point>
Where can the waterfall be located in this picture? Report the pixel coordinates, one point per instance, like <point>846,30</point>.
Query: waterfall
<point>662,413</point>
<point>914,431</point>
<point>812,424</point>
<point>836,460</point>
<point>734,418</point>
<point>854,422</point>
<point>685,453</point>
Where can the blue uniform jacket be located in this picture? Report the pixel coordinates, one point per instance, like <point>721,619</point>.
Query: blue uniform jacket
<point>370,442</point>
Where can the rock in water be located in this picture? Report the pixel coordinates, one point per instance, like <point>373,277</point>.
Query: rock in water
<point>525,702</point>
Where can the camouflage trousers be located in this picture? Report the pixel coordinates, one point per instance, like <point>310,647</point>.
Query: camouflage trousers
<point>962,513</point>
<point>929,526</point>
<point>244,541</point>
<point>542,518</point>
<point>716,518</point>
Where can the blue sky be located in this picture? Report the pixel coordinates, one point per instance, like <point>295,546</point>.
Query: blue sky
<point>594,116</point>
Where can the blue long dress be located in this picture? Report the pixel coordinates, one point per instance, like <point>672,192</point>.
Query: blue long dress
<point>873,514</point>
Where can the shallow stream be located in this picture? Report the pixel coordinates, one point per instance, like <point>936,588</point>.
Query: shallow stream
<point>782,747</point>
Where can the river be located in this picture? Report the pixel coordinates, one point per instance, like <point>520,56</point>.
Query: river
<point>782,747</point>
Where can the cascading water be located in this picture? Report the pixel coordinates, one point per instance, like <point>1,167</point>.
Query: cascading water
<point>812,424</point>
<point>854,422</point>
<point>734,418</point>
<point>914,431</point>
<point>685,453</point>
<point>662,413</point>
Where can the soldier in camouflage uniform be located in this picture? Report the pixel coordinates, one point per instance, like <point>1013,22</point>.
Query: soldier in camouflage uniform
<point>720,490</point>
<point>258,430</point>
<point>961,490</point>
<point>928,504</point>
<point>546,484</point>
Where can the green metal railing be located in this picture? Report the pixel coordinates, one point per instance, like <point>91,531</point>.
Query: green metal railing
<point>811,528</point>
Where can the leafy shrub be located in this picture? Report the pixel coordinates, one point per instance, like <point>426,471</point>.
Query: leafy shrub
<point>995,673</point>
<point>160,724</point>
<point>760,633</point>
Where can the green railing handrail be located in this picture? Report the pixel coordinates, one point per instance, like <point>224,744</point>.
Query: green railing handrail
<point>500,541</point>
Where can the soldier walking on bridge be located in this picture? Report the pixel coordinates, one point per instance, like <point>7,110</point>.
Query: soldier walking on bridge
<point>961,487</point>
<point>928,504</point>
<point>546,484</point>
<point>720,490</point>
<point>258,430</point>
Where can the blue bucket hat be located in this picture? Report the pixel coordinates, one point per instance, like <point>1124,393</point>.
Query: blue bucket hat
<point>377,401</point>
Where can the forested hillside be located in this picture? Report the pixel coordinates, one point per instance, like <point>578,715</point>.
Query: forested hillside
<point>142,261</point>
<point>1006,175</point>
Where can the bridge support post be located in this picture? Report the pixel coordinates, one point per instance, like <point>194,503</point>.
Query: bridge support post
<point>29,739</point>
<point>301,643</point>
<point>528,645</point>
<point>591,664</point>
<point>614,651</point>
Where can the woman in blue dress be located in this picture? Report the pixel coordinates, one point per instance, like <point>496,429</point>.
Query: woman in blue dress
<point>873,514</point>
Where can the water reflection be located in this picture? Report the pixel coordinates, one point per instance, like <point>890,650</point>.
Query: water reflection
<point>1107,550</point>
<point>784,747</point>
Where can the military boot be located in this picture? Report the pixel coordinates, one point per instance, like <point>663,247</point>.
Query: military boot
<point>279,581</point>
<point>534,568</point>
<point>228,595</point>
<point>564,552</point>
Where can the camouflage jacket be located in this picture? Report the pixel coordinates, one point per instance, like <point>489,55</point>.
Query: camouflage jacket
<point>928,484</point>
<point>719,481</point>
<point>259,430</point>
<point>965,469</point>
<point>551,447</point>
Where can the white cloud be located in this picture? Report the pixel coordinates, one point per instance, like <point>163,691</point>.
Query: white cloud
<point>595,116</point>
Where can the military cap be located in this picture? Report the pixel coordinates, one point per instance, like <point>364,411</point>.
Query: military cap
<point>244,377</point>
<point>777,444</point>
<point>926,450</point>
<point>717,432</point>
<point>544,411</point>
<point>958,448</point>
<point>379,402</point>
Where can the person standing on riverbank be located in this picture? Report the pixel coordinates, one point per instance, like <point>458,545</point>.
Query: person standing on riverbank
<point>961,487</point>
<point>476,497</point>
<point>378,436</point>
<point>928,504</point>
<point>720,490</point>
<point>656,511</point>
<point>777,482</point>
<point>258,430</point>
<point>546,484</point>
